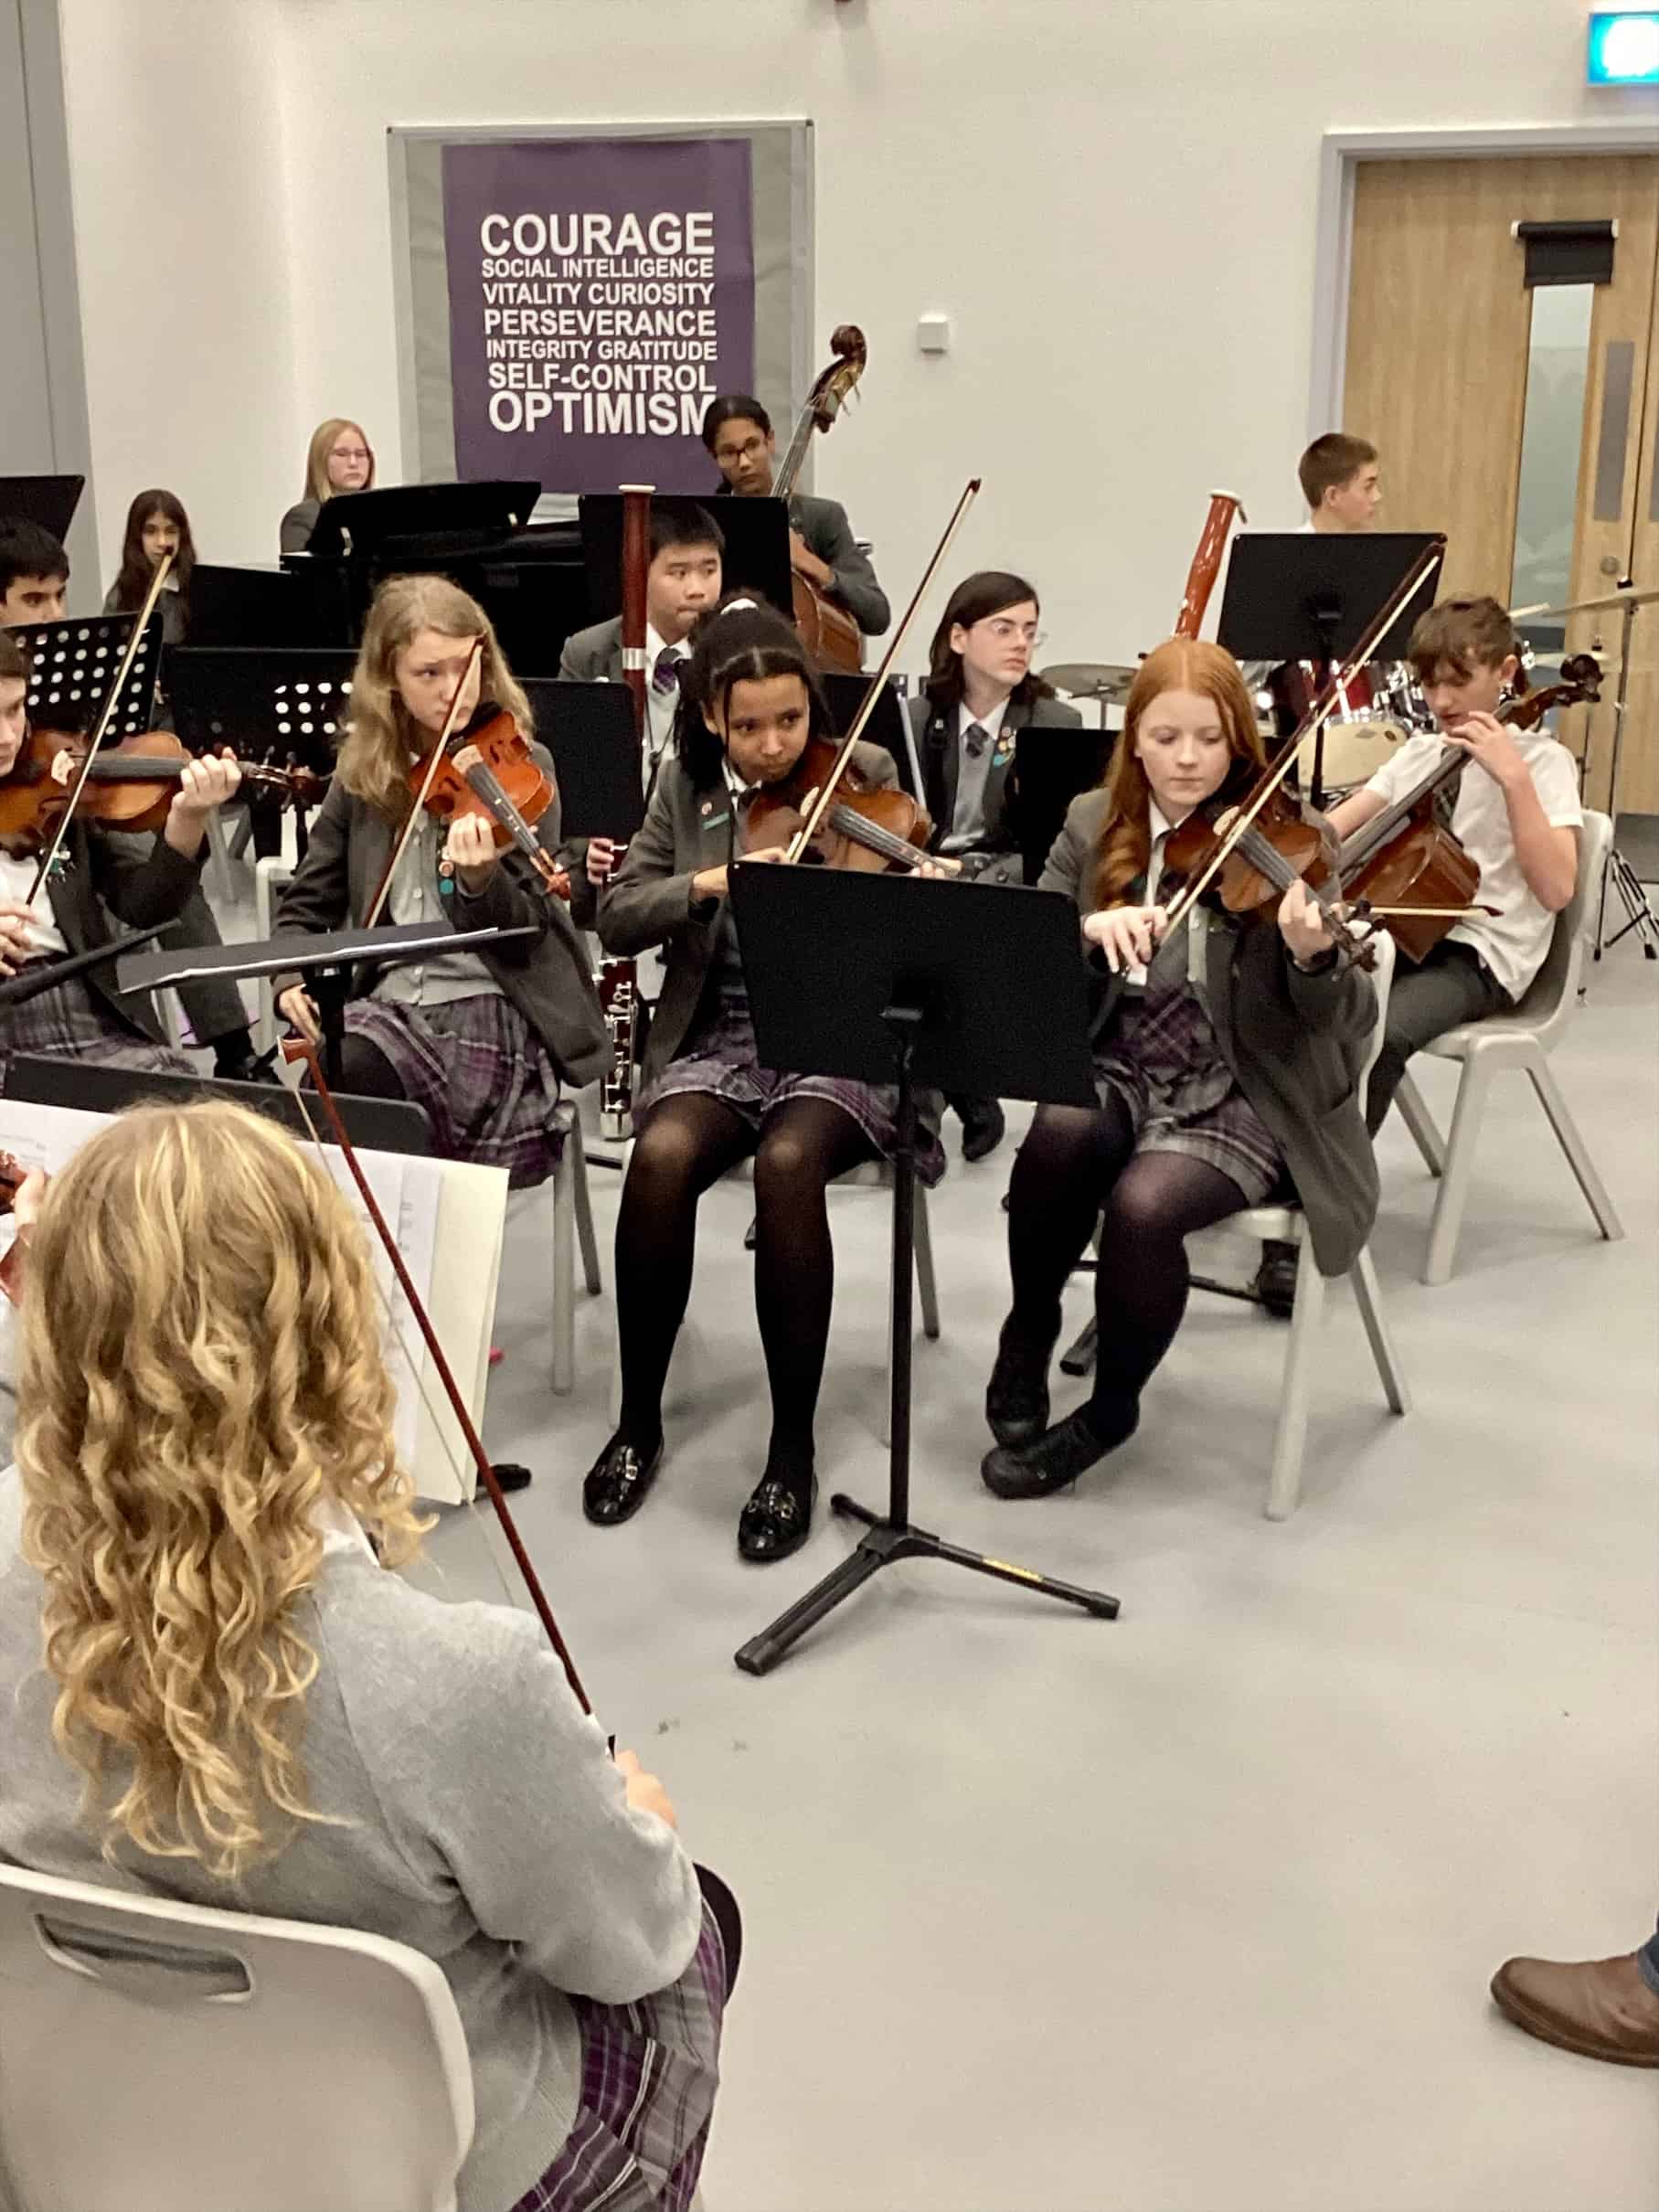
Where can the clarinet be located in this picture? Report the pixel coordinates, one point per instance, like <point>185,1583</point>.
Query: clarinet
<point>619,995</point>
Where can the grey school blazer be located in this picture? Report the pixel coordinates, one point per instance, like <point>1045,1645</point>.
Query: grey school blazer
<point>140,881</point>
<point>594,655</point>
<point>546,976</point>
<point>935,729</point>
<point>649,902</point>
<point>1295,1044</point>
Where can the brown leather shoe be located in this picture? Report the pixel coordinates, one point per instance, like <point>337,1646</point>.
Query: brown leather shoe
<point>1602,2008</point>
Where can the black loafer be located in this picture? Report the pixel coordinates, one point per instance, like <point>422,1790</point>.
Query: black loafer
<point>1058,1456</point>
<point>619,1481</point>
<point>982,1129</point>
<point>1017,1396</point>
<point>776,1520</point>
<point>1276,1279</point>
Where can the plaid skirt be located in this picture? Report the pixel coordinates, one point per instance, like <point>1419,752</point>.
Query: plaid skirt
<point>649,2075</point>
<point>720,1061</point>
<point>71,1023</point>
<point>479,1072</point>
<point>1162,1062</point>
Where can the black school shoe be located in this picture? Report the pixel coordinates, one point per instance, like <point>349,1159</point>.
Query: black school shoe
<point>982,1127</point>
<point>776,1520</point>
<point>1061,1454</point>
<point>1275,1282</point>
<point>619,1482</point>
<point>1017,1396</point>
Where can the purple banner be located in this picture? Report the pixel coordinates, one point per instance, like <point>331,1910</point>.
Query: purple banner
<point>601,291</point>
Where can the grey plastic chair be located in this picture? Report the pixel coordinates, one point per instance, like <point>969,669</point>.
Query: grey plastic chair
<point>1518,1043</point>
<point>1288,1225</point>
<point>157,2054</point>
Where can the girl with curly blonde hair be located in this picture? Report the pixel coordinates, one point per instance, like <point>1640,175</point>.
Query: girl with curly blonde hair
<point>211,1686</point>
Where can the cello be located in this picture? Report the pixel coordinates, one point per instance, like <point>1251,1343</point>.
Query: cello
<point>831,635</point>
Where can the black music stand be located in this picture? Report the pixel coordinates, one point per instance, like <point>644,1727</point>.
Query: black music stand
<point>1303,596</point>
<point>588,729</point>
<point>72,665</point>
<point>325,960</point>
<point>969,987</point>
<point>887,725</point>
<point>377,1124</point>
<point>756,556</point>
<point>49,501</point>
<point>451,517</point>
<point>281,705</point>
<point>262,607</point>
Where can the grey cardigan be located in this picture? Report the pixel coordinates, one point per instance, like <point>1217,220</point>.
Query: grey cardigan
<point>546,976</point>
<point>649,902</point>
<point>1295,1044</point>
<point>483,1824</point>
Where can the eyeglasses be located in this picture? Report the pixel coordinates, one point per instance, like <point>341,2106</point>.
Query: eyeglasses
<point>1005,631</point>
<point>348,452</point>
<point>725,455</point>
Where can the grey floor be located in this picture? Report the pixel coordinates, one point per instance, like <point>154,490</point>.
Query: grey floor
<point>1193,1911</point>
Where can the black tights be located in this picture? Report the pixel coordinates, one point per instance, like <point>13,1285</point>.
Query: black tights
<point>364,1071</point>
<point>1076,1164</point>
<point>689,1142</point>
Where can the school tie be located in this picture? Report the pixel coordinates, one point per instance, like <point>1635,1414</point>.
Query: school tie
<point>666,675</point>
<point>976,738</point>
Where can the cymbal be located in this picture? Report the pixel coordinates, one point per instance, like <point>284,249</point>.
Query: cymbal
<point>1583,606</point>
<point>1108,680</point>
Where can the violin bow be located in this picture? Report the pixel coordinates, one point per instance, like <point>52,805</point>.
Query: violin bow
<point>411,820</point>
<point>1317,715</point>
<point>48,858</point>
<point>824,798</point>
<point>303,1049</point>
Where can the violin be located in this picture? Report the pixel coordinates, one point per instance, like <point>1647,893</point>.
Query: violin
<point>1282,845</point>
<point>1405,862</point>
<point>866,826</point>
<point>829,632</point>
<point>488,770</point>
<point>13,1176</point>
<point>126,786</point>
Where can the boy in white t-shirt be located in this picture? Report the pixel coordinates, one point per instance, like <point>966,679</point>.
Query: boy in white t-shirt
<point>1516,814</point>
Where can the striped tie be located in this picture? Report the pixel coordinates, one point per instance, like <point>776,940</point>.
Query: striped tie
<point>666,675</point>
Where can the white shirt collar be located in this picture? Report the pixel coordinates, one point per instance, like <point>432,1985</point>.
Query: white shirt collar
<point>1155,822</point>
<point>991,723</point>
<point>657,645</point>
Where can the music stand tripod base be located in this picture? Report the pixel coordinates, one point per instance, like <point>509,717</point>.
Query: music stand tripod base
<point>869,1031</point>
<point>891,1536</point>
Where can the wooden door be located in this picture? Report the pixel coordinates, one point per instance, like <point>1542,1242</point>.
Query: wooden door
<point>1438,326</point>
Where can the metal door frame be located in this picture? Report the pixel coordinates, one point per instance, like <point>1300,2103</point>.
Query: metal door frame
<point>1340,154</point>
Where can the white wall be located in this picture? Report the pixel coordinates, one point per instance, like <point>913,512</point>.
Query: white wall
<point>1113,199</point>
<point>180,183</point>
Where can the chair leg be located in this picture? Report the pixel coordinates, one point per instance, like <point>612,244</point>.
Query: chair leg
<point>1284,1482</point>
<point>1421,1122</point>
<point>1472,1086</point>
<point>564,1276</point>
<point>584,1209</point>
<point>1363,1276</point>
<point>927,1289</point>
<point>1572,1144</point>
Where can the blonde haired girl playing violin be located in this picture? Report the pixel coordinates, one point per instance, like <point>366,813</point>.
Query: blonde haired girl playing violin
<point>480,1040</point>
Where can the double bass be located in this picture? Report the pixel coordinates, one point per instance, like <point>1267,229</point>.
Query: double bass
<point>831,635</point>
